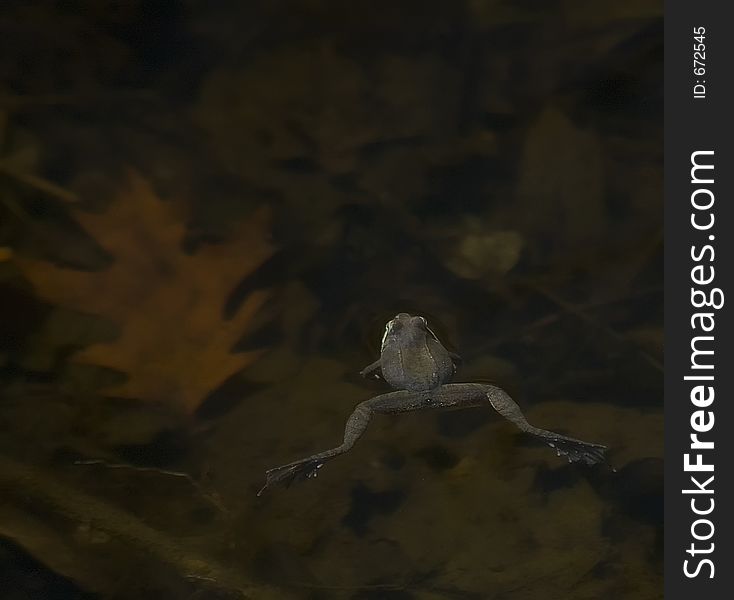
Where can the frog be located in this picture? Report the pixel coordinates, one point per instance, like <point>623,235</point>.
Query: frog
<point>411,356</point>
<point>419,368</point>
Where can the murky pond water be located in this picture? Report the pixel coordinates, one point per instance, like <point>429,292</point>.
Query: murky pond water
<point>209,213</point>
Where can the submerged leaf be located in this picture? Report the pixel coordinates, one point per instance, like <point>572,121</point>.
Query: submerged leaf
<point>175,344</point>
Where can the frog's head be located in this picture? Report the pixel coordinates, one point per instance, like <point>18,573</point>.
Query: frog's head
<point>406,330</point>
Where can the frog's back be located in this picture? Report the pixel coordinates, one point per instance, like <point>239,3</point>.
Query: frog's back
<point>422,365</point>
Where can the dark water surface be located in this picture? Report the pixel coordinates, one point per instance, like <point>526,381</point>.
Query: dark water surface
<point>208,211</point>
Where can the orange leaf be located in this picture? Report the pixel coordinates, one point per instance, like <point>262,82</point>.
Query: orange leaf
<point>175,344</point>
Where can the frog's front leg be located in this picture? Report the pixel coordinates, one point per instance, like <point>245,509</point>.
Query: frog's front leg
<point>371,369</point>
<point>459,395</point>
<point>391,402</point>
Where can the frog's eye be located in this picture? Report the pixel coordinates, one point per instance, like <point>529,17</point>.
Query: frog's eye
<point>428,329</point>
<point>392,326</point>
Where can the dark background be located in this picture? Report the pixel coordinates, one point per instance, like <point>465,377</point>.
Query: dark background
<point>179,180</point>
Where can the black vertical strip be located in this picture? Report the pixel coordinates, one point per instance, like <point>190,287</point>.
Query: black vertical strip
<point>701,124</point>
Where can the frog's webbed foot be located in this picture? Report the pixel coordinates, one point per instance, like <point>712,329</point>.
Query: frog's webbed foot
<point>575,450</point>
<point>292,473</point>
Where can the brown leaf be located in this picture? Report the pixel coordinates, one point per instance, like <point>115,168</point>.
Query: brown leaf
<point>175,345</point>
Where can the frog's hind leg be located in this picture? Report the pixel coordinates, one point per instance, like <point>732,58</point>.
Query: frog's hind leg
<point>475,394</point>
<point>309,467</point>
<point>392,402</point>
<point>574,450</point>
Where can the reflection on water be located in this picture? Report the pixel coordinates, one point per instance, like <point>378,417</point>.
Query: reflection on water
<point>208,214</point>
